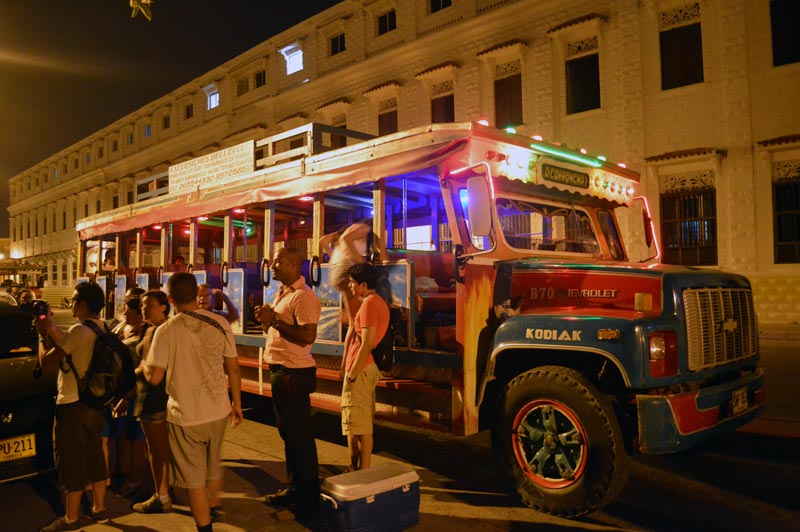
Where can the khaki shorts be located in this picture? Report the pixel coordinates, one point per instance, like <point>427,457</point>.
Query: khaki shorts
<point>358,402</point>
<point>195,453</point>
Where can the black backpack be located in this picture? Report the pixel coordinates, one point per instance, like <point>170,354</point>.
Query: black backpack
<point>110,375</point>
<point>383,353</point>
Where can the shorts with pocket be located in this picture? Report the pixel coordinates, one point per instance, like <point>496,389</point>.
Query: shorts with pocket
<point>195,453</point>
<point>358,402</point>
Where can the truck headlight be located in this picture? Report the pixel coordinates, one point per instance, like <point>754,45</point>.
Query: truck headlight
<point>663,354</point>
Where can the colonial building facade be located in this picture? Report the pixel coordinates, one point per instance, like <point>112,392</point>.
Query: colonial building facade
<point>702,97</point>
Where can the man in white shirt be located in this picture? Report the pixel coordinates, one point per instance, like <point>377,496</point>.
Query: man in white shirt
<point>188,350</point>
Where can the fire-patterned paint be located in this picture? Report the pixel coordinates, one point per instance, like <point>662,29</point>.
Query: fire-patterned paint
<point>472,327</point>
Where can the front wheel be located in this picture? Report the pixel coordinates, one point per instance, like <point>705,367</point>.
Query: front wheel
<point>558,437</point>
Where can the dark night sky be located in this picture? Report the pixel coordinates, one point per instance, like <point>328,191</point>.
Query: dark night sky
<point>71,67</point>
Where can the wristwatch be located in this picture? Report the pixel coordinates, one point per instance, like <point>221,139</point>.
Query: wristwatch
<point>274,323</point>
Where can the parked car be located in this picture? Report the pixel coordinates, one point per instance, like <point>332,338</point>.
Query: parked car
<point>27,401</point>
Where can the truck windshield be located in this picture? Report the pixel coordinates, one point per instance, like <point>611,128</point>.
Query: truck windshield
<point>530,225</point>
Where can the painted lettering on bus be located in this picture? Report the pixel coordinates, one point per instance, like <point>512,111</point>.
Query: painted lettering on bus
<point>553,334</point>
<point>601,293</point>
<point>565,176</point>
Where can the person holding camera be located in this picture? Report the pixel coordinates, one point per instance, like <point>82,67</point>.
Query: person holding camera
<point>76,433</point>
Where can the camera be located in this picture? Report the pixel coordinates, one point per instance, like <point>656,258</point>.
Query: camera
<point>40,309</point>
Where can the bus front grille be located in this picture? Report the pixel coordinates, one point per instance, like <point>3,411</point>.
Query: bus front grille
<point>720,326</point>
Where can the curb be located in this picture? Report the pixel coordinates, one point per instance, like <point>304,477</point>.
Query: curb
<point>789,332</point>
<point>775,427</point>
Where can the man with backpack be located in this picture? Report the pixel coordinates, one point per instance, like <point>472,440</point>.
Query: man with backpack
<point>191,351</point>
<point>359,369</point>
<point>78,452</point>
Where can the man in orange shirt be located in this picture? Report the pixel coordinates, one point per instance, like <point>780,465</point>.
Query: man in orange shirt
<point>358,369</point>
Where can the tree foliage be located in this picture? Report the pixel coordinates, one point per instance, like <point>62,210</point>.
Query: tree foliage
<point>143,7</point>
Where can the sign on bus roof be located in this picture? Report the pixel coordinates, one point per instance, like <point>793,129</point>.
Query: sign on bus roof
<point>223,166</point>
<point>565,176</point>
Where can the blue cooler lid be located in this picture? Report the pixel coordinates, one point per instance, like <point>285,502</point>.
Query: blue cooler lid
<point>373,480</point>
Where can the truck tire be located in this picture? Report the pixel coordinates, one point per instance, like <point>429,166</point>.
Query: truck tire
<point>559,439</point>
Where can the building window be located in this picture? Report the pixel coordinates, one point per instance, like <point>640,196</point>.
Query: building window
<point>339,141</point>
<point>98,209</point>
<point>508,94</point>
<point>261,78</point>
<point>786,199</point>
<point>212,96</point>
<point>63,220</point>
<point>129,197</point>
<point>130,139</point>
<point>689,226</point>
<point>583,84</point>
<point>115,201</point>
<point>85,210</point>
<point>242,86</point>
<point>165,122</point>
<point>681,47</point>
<point>147,131</point>
<point>337,44</point>
<point>87,158</point>
<point>188,111</point>
<point>443,102</point>
<point>114,145</point>
<point>785,19</point>
<point>64,166</point>
<point>75,163</point>
<point>293,54</point>
<point>443,109</point>
<point>438,5</point>
<point>99,152</point>
<point>387,22</point>
<point>387,122</point>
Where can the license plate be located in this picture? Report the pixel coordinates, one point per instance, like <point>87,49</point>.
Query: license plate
<point>17,447</point>
<point>739,401</point>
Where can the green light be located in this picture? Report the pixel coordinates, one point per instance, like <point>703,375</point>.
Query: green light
<point>601,157</point>
<point>511,130</point>
<point>589,161</point>
<point>219,222</point>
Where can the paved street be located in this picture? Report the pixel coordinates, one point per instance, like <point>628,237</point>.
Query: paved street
<point>746,481</point>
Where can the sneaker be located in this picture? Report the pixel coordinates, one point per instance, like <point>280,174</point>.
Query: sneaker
<point>284,497</point>
<point>100,516</point>
<point>60,523</point>
<point>153,505</point>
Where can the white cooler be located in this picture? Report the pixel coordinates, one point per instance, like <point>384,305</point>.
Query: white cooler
<point>380,498</point>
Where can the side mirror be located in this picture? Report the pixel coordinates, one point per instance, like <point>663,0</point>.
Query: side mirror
<point>478,206</point>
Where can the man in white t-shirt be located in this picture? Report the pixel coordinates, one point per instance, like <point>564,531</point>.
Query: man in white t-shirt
<point>77,444</point>
<point>188,351</point>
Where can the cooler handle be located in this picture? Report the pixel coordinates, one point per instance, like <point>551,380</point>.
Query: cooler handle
<point>328,498</point>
